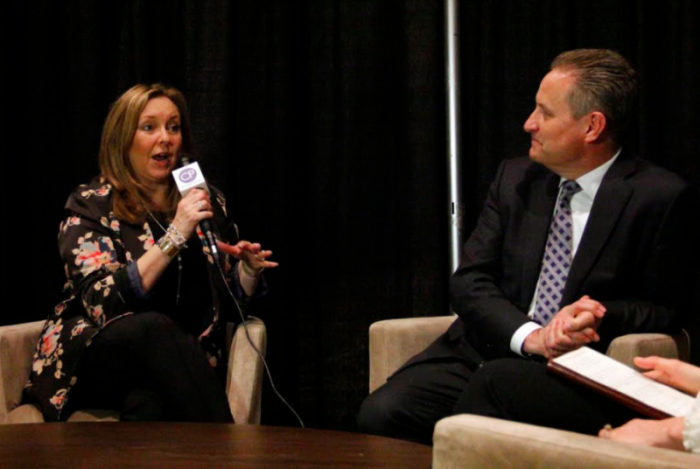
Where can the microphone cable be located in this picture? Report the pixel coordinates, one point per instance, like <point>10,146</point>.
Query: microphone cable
<point>250,341</point>
<point>193,178</point>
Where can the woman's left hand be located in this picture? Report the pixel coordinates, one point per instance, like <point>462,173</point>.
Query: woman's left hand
<point>252,254</point>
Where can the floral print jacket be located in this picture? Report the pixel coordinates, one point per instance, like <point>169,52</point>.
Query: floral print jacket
<point>96,248</point>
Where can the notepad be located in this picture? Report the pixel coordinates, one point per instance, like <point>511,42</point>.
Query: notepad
<point>622,383</point>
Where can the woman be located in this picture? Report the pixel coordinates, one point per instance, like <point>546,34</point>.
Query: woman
<point>679,433</point>
<point>140,289</point>
<point>488,394</point>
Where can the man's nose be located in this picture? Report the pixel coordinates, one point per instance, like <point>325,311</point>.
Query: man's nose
<point>530,124</point>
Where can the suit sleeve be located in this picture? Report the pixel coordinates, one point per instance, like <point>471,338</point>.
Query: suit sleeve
<point>490,317</point>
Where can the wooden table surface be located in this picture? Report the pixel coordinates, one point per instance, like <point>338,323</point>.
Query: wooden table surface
<point>199,445</point>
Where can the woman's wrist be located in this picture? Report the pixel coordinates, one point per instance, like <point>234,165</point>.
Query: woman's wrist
<point>175,235</point>
<point>171,242</point>
<point>675,432</point>
<point>249,271</point>
<point>168,247</point>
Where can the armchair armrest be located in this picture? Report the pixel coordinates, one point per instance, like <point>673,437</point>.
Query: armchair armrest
<point>626,347</point>
<point>245,372</point>
<point>394,341</point>
<point>27,413</point>
<point>469,441</point>
<point>17,344</point>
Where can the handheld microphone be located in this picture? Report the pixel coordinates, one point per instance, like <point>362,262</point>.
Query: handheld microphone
<point>187,177</point>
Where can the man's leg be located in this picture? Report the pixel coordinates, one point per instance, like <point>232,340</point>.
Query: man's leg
<point>413,400</point>
<point>524,391</point>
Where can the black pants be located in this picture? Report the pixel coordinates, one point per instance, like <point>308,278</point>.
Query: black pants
<point>148,368</point>
<point>524,391</point>
<point>412,401</point>
<point>409,405</point>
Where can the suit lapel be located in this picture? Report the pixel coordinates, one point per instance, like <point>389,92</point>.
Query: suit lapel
<point>608,206</point>
<point>542,194</point>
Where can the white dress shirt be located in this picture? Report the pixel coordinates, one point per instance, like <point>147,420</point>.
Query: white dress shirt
<point>581,204</point>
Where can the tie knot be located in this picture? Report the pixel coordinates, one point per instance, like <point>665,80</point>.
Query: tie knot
<point>569,188</point>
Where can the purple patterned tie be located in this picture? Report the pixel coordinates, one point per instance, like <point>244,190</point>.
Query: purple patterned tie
<point>557,257</point>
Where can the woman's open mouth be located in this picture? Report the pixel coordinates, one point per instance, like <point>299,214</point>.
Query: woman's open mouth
<point>162,160</point>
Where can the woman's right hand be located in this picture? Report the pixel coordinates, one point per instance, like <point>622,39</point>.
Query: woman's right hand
<point>671,372</point>
<point>192,209</point>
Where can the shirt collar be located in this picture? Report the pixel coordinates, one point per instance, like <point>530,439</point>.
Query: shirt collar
<point>590,182</point>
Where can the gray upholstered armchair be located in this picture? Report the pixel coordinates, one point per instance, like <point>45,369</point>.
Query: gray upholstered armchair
<point>468,441</point>
<point>243,383</point>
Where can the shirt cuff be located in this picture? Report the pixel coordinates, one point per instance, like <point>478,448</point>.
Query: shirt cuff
<point>691,429</point>
<point>516,342</point>
<point>132,271</point>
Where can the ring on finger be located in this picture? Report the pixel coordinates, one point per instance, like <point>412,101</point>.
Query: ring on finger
<point>199,204</point>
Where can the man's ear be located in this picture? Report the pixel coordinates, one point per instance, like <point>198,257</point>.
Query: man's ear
<point>597,125</point>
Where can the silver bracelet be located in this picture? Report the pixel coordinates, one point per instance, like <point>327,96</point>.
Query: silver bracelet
<point>168,247</point>
<point>178,240</point>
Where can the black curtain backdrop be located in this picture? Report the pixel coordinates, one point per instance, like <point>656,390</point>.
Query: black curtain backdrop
<point>324,123</point>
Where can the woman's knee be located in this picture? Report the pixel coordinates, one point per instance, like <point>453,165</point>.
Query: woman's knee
<point>137,337</point>
<point>155,328</point>
<point>152,320</point>
<point>135,326</point>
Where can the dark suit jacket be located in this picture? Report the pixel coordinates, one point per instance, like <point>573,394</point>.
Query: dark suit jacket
<point>634,256</point>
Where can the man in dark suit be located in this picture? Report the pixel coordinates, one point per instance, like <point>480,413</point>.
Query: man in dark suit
<point>576,245</point>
